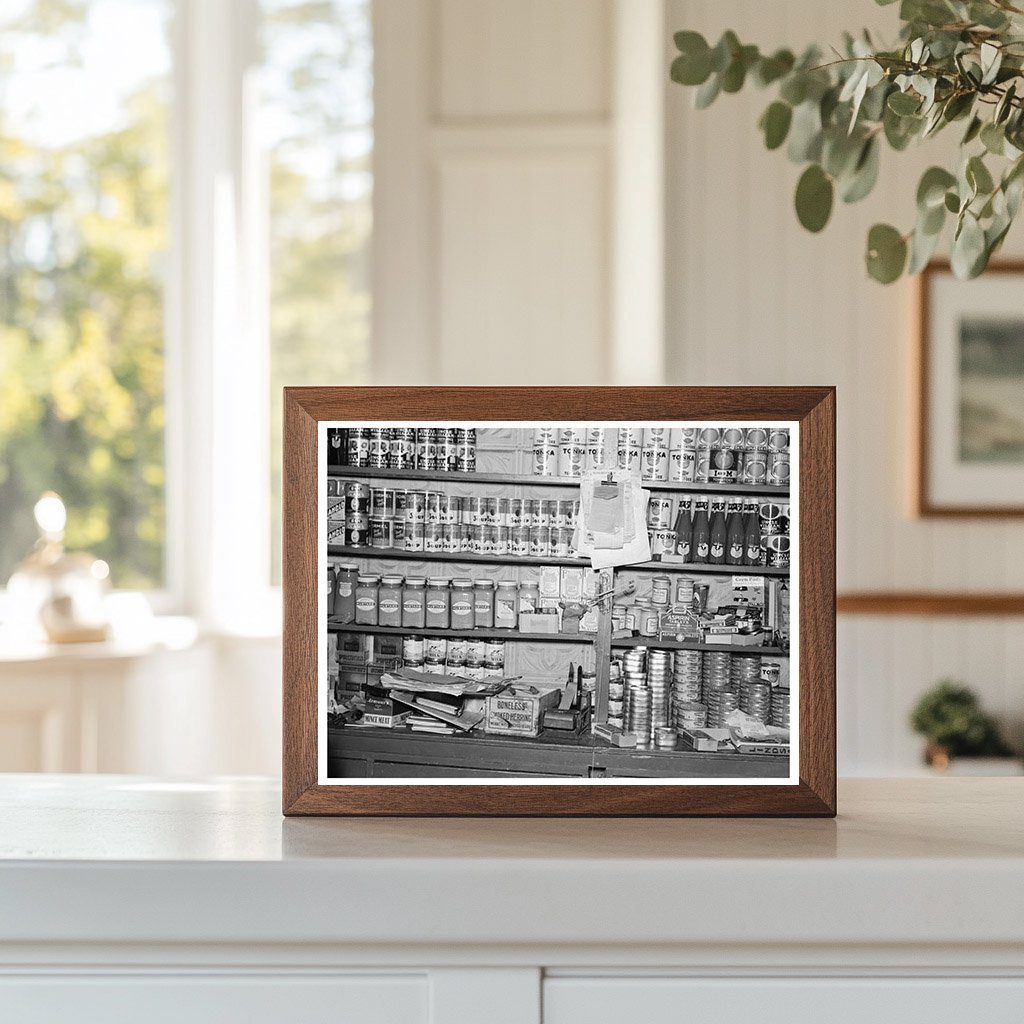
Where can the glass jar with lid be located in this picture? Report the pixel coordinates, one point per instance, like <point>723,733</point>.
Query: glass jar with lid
<point>345,592</point>
<point>414,602</point>
<point>462,604</point>
<point>438,614</point>
<point>529,597</point>
<point>389,601</point>
<point>367,592</point>
<point>506,605</point>
<point>483,604</point>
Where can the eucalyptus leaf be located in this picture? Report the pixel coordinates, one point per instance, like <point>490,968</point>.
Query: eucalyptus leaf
<point>724,51</point>
<point>771,69</point>
<point>814,194</point>
<point>968,247</point>
<point>775,123</point>
<point>886,253</point>
<point>978,175</point>
<point>973,129</point>
<point>922,247</point>
<point>993,138</point>
<point>707,93</point>
<point>865,174</point>
<point>693,65</point>
<point>931,190</point>
<point>952,202</point>
<point>805,133</point>
<point>904,103</point>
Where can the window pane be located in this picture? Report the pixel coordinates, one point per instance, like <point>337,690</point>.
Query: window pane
<point>318,130</point>
<point>84,97</point>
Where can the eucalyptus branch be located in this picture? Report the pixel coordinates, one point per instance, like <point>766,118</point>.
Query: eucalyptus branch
<point>833,118</point>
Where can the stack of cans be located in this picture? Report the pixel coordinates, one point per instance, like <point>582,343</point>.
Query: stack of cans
<point>687,667</point>
<point>665,738</point>
<point>639,717</point>
<point>720,704</point>
<point>659,677</point>
<point>780,708</point>
<point>744,668</point>
<point>717,670</point>
<point>754,700</point>
<point>689,715</point>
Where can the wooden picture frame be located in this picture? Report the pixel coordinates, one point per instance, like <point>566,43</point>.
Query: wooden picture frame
<point>930,374</point>
<point>812,793</point>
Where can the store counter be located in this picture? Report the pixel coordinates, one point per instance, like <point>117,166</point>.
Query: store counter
<point>125,898</point>
<point>397,753</point>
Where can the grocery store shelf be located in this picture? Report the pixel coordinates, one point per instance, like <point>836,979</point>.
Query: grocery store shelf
<point>457,557</point>
<point>463,634</point>
<point>567,483</point>
<point>685,645</point>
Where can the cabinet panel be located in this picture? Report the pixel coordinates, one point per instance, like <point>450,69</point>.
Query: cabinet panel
<point>216,1000</point>
<point>783,1001</point>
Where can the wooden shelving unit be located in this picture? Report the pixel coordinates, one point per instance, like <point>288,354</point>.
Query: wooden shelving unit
<point>520,480</point>
<point>464,634</point>
<point>341,551</point>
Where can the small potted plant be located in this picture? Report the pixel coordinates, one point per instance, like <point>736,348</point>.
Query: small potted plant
<point>950,718</point>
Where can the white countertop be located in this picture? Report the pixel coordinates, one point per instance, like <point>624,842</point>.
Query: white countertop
<point>121,859</point>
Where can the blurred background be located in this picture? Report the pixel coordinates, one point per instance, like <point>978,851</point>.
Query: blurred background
<point>202,201</point>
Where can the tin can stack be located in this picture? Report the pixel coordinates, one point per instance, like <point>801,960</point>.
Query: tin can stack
<point>780,707</point>
<point>438,449</point>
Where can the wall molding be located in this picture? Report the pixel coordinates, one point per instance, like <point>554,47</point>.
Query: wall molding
<point>929,603</point>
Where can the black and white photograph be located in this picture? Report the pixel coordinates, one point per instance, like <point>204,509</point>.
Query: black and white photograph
<point>558,601</point>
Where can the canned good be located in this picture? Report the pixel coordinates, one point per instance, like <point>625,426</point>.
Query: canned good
<point>655,437</point>
<point>571,457</point>
<point>422,441</point>
<point>414,539</point>
<point>520,541</point>
<point>357,499</point>
<point>473,537</point>
<point>769,515</point>
<point>452,537</point>
<point>413,649</point>
<point>476,650</point>
<point>403,450</point>
<point>629,458</point>
<point>659,513</point>
<point>563,514</point>
<point>495,654</point>
<point>778,468</point>
<point>357,531</point>
<point>450,509</point>
<point>661,590</point>
<point>546,434</point>
<point>702,467</point>
<point>732,438</point>
<point>755,439</point>
<point>545,459</point>
<point>415,506</point>
<point>682,464</point>
<point>778,547</point>
<point>473,511</point>
<point>531,512</point>
<point>472,670</point>
<point>381,535</point>
<point>778,440</point>
<point>618,616</point>
<point>755,468</point>
<point>433,537</point>
<point>548,513</point>
<point>380,447</point>
<point>450,461</point>
<point>724,466</point>
<point>771,672</point>
<point>489,540</point>
<point>436,509</point>
<point>489,511</point>
<point>540,541</point>
<point>708,437</point>
<point>456,653</point>
<point>436,648</point>
<point>663,542</point>
<point>382,501</point>
<point>503,512</point>
<point>358,446</point>
<point>561,542</point>
<point>654,464</point>
<point>435,449</point>
<point>465,458</point>
<point>516,507</point>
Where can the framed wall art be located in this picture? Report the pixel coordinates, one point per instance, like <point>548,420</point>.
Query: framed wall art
<point>970,443</point>
<point>559,601</point>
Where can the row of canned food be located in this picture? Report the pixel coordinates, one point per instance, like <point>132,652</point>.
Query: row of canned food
<point>447,449</point>
<point>395,534</point>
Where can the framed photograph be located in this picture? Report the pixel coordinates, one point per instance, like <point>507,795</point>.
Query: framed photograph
<point>559,601</point>
<point>970,444</point>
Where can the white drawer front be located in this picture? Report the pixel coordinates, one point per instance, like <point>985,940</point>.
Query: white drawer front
<point>202,999</point>
<point>783,1001</point>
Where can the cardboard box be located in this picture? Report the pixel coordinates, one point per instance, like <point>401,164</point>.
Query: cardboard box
<point>538,622</point>
<point>550,583</point>
<point>707,739</point>
<point>572,583</point>
<point>589,621</point>
<point>517,712</point>
<point>384,712</point>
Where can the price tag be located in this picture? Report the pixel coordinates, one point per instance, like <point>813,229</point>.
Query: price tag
<point>747,581</point>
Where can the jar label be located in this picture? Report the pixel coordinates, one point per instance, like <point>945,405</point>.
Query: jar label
<point>413,607</point>
<point>436,607</point>
<point>366,604</point>
<point>736,551</point>
<point>460,607</point>
<point>389,604</point>
<point>345,589</point>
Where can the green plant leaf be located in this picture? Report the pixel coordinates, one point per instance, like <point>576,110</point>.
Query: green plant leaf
<point>865,173</point>
<point>735,74</point>
<point>952,202</point>
<point>805,133</point>
<point>931,191</point>
<point>725,49</point>
<point>693,65</point>
<point>794,88</point>
<point>771,69</point>
<point>973,129</point>
<point>922,247</point>
<point>978,176</point>
<point>886,253</point>
<point>904,103</point>
<point>707,93</point>
<point>991,57</point>
<point>968,248</point>
<point>775,124</point>
<point>993,138</point>
<point>987,15</point>
<point>1004,106</point>
<point>814,193</point>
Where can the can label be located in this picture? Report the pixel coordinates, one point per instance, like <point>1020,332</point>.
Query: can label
<point>571,459</point>
<point>755,468</point>
<point>515,511</point>
<point>682,464</point>
<point>663,542</point>
<point>436,647</point>
<point>654,464</point>
<point>732,437</point>
<point>402,454</point>
<point>778,550</point>
<point>465,458</point>
<point>778,469</point>
<point>473,511</point>
<point>724,465</point>
<point>709,437</point>
<point>435,507</point>
<point>358,448</point>
<point>545,459</point>
<point>561,542</point>
<point>545,435</point>
<point>778,441</point>
<point>381,533</point>
<point>755,439</point>
<point>357,499</point>
<point>412,648</point>
<point>770,518</point>
<point>495,654</point>
<point>655,437</point>
<point>414,537</point>
<point>520,541</point>
<point>540,541</point>
<point>382,501</point>
<point>475,535</point>
<point>433,538</point>
<point>659,513</point>
<point>415,506</point>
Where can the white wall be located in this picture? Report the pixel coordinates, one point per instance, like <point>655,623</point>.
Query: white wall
<point>753,298</point>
